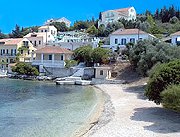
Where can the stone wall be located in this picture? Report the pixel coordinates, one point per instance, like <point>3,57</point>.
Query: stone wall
<point>60,72</point>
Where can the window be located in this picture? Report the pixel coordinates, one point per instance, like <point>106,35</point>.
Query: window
<point>35,44</point>
<point>123,41</point>
<point>11,52</point>
<point>7,52</point>
<point>62,57</point>
<point>45,30</point>
<point>101,72</point>
<point>7,60</point>
<point>132,40</point>
<point>39,42</point>
<point>21,51</point>
<point>116,41</point>
<point>41,30</point>
<point>28,52</point>
<point>52,32</point>
<point>50,57</point>
<point>15,52</point>
<point>178,41</point>
<point>3,51</point>
<point>25,43</point>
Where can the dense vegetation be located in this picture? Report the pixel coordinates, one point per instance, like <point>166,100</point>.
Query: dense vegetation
<point>25,69</point>
<point>171,97</point>
<point>161,77</point>
<point>145,54</point>
<point>89,55</point>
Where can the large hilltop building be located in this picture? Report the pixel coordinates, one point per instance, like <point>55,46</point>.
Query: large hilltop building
<point>63,19</point>
<point>110,16</point>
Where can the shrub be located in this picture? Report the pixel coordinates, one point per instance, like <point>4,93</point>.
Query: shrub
<point>171,97</point>
<point>163,76</point>
<point>71,63</point>
<point>25,69</point>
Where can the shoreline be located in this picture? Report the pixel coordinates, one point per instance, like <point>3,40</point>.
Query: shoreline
<point>133,115</point>
<point>95,114</point>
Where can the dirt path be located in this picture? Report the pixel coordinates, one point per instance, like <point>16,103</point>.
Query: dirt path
<point>135,116</point>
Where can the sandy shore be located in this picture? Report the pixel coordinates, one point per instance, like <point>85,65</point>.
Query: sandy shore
<point>127,113</point>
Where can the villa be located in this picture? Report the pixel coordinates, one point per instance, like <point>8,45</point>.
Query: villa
<point>51,57</point>
<point>175,38</point>
<point>121,37</point>
<point>111,16</point>
<point>45,35</point>
<point>63,19</point>
<point>13,49</point>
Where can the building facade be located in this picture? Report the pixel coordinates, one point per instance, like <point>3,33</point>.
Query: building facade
<point>175,38</point>
<point>51,57</point>
<point>121,37</point>
<point>111,16</point>
<point>63,19</point>
<point>12,50</point>
<point>45,35</point>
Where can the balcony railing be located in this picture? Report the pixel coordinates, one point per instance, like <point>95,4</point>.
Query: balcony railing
<point>8,55</point>
<point>49,63</point>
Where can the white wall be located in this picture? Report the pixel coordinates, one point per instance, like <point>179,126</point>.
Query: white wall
<point>173,39</point>
<point>113,16</point>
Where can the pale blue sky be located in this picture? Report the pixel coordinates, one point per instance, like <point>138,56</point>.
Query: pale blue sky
<point>36,12</point>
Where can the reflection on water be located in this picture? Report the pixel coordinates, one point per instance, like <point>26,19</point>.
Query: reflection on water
<point>42,109</point>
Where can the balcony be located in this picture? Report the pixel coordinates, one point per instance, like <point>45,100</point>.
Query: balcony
<point>7,55</point>
<point>49,63</point>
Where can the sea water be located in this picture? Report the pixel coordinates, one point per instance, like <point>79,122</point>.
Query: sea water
<point>41,109</point>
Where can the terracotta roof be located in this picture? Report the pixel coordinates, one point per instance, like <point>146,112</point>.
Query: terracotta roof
<point>123,9</point>
<point>45,27</point>
<point>176,33</point>
<point>53,49</point>
<point>128,32</point>
<point>11,41</point>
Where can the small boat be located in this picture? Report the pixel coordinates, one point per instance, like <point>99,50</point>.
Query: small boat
<point>3,73</point>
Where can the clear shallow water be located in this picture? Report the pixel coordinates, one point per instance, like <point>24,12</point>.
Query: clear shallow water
<point>38,109</point>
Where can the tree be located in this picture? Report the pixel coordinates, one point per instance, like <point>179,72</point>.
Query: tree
<point>92,30</point>
<point>25,69</point>
<point>174,20</point>
<point>163,76</point>
<point>3,36</point>
<point>101,30</point>
<point>83,54</point>
<point>78,25</point>
<point>16,33</point>
<point>99,54</point>
<point>61,26</point>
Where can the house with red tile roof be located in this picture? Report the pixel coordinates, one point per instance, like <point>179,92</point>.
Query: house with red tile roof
<point>121,37</point>
<point>11,49</point>
<point>175,38</point>
<point>111,16</point>
<point>51,57</point>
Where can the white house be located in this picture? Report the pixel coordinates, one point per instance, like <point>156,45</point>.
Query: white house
<point>121,37</point>
<point>45,35</point>
<point>175,38</point>
<point>111,16</point>
<point>75,39</point>
<point>63,19</point>
<point>51,57</point>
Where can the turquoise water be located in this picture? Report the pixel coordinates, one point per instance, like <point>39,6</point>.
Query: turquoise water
<point>38,109</point>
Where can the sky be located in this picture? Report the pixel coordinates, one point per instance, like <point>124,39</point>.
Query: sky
<point>35,12</point>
